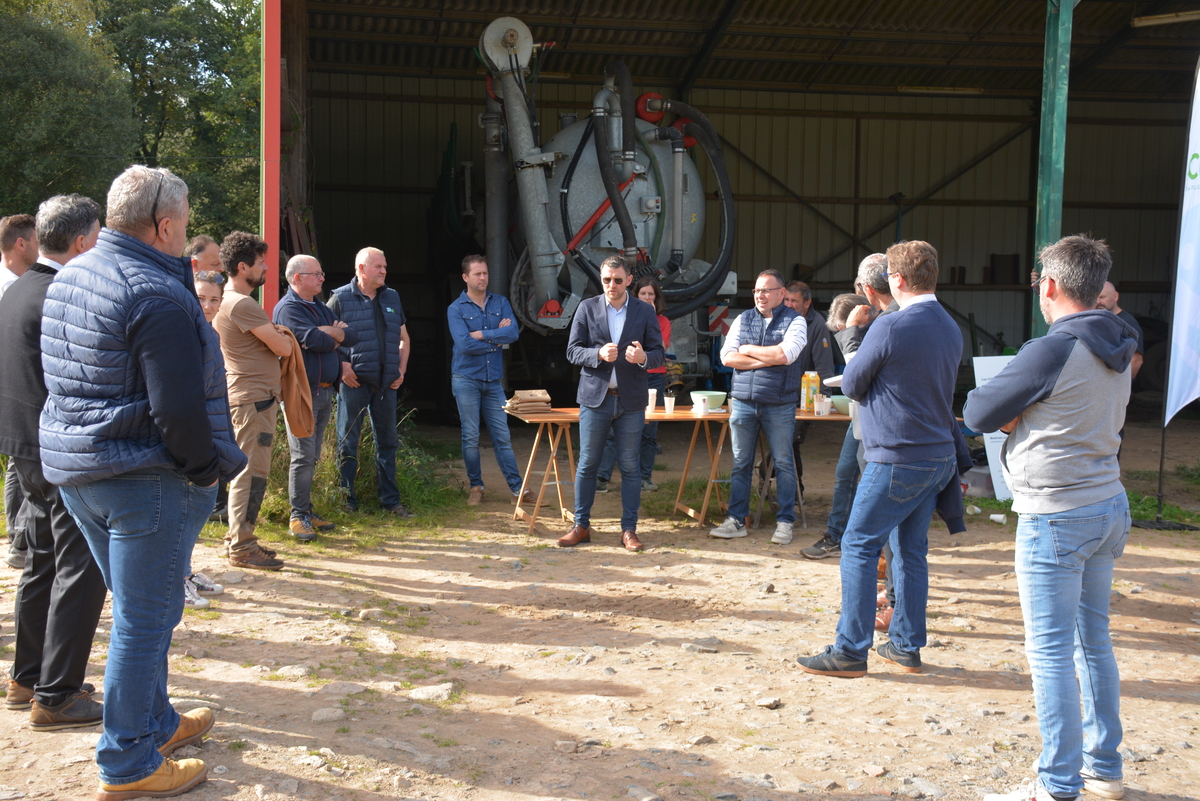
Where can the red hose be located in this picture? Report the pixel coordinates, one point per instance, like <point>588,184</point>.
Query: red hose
<point>587,226</point>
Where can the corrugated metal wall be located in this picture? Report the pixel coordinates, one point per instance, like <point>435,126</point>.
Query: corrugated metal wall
<point>377,146</point>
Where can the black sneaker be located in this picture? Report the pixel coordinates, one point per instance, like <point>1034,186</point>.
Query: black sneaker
<point>400,511</point>
<point>830,663</point>
<point>826,546</point>
<point>601,485</point>
<point>909,661</point>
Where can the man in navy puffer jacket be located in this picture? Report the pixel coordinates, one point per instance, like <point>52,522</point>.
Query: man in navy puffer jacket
<point>136,433</point>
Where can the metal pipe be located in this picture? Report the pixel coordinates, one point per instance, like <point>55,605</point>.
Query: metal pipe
<point>495,189</point>
<point>531,185</point>
<point>677,202</point>
<point>610,102</point>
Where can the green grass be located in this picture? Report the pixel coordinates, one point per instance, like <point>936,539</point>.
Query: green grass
<point>662,503</point>
<point>1189,473</point>
<point>1145,507</point>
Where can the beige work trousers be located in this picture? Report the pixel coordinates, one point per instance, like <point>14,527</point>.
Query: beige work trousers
<point>255,434</point>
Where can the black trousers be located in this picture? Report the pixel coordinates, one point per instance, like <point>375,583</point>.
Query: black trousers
<point>13,498</point>
<point>59,597</point>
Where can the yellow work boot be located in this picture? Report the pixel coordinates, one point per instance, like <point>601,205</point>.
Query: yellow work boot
<point>193,725</point>
<point>172,778</point>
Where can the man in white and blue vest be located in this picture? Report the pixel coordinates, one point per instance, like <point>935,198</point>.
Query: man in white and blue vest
<point>763,347</point>
<point>136,434</point>
<point>372,371</point>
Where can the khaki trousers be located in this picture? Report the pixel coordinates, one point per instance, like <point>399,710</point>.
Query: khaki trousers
<point>255,434</point>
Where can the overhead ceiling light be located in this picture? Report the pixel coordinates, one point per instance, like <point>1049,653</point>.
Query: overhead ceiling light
<point>940,90</point>
<point>1165,19</point>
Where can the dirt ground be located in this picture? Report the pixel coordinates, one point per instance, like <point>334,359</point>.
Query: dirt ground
<point>405,660</point>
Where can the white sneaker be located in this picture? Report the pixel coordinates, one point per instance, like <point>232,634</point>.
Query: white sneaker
<point>1032,791</point>
<point>730,529</point>
<point>1104,788</point>
<point>783,533</point>
<point>191,598</point>
<point>205,586</point>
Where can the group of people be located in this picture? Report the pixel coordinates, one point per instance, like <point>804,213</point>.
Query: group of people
<point>138,374</point>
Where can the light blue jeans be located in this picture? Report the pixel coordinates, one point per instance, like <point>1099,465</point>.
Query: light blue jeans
<point>778,422</point>
<point>845,480</point>
<point>141,527</point>
<point>594,425</point>
<point>1064,567</point>
<point>894,503</point>
<point>306,452</point>
<point>483,401</point>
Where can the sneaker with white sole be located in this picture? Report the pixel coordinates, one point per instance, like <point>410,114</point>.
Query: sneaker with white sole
<point>783,532</point>
<point>1031,791</point>
<point>730,529</point>
<point>191,598</point>
<point>205,586</point>
<point>1103,788</point>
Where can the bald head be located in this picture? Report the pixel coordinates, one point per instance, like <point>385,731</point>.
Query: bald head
<point>1108,298</point>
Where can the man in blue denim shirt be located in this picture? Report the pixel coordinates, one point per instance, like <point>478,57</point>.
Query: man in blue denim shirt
<point>480,325</point>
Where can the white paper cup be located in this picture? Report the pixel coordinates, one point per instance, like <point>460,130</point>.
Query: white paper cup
<point>652,401</point>
<point>1001,519</point>
<point>669,404</point>
<point>823,407</point>
<point>702,406</point>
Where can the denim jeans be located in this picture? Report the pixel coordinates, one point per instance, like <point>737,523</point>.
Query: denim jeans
<point>355,403</point>
<point>894,502</point>
<point>778,422</point>
<point>594,425</point>
<point>306,452</point>
<point>483,401</point>
<point>141,527</point>
<point>845,479</point>
<point>649,446</point>
<point>1064,571</point>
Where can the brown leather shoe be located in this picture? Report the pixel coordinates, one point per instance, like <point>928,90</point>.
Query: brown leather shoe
<point>172,778</point>
<point>631,542</point>
<point>258,559</point>
<point>577,535</point>
<point>526,497</point>
<point>77,712</point>
<point>193,725</point>
<point>883,620</point>
<point>20,697</point>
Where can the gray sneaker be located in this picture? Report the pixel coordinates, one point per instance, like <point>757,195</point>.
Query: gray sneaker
<point>730,529</point>
<point>601,485</point>
<point>783,532</point>
<point>16,557</point>
<point>649,486</point>
<point>826,546</point>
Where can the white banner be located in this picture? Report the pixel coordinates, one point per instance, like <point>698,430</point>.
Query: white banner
<point>987,368</point>
<point>1183,378</point>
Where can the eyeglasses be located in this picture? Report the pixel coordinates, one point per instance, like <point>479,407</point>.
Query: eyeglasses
<point>154,208</point>
<point>889,275</point>
<point>322,275</point>
<point>612,280</point>
<point>1036,286</point>
<point>767,291</point>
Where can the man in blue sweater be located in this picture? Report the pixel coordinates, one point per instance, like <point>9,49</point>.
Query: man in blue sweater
<point>320,334</point>
<point>903,375</point>
<point>481,324</point>
<point>1062,401</point>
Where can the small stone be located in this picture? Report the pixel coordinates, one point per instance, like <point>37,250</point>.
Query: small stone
<point>874,771</point>
<point>1183,745</point>
<point>311,761</point>
<point>564,746</point>
<point>370,614</point>
<point>381,742</point>
<point>583,659</point>
<point>342,688</point>
<point>434,692</point>
<point>328,715</point>
<point>1131,756</point>
<point>828,784</point>
<point>928,788</point>
<point>766,588</point>
<point>881,722</point>
<point>219,769</point>
<point>725,797</point>
<point>381,642</point>
<point>769,702</point>
<point>999,772</point>
<point>701,739</point>
<point>290,786</point>
<point>295,671</point>
<point>931,719</point>
<point>196,653</point>
<point>232,577</point>
<point>187,751</point>
<point>691,647</point>
<point>642,794</point>
<point>609,671</point>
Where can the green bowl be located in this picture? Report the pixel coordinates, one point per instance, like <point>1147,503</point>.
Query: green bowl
<point>841,403</point>
<point>715,399</point>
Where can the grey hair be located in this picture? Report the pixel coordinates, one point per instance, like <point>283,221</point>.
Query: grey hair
<point>778,276</point>
<point>296,264</point>
<point>1078,264</point>
<point>198,245</point>
<point>872,272</point>
<point>62,218</point>
<point>365,254</point>
<point>131,198</point>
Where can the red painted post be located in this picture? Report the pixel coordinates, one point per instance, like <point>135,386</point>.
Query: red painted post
<point>269,137</point>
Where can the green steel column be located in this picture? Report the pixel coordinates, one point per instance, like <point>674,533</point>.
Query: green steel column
<point>1052,145</point>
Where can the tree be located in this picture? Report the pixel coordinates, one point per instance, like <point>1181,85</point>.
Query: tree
<point>67,119</point>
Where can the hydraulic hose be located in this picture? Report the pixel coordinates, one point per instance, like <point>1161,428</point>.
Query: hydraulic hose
<point>684,110</point>
<point>702,289</point>
<point>616,68</point>
<point>565,188</point>
<point>608,176</point>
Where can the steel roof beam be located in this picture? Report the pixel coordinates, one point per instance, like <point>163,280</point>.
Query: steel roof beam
<point>732,7</point>
<point>1114,43</point>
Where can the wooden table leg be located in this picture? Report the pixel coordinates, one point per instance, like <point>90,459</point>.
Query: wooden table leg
<point>714,469</point>
<point>551,469</point>
<point>519,513</point>
<point>687,465</point>
<point>568,517</point>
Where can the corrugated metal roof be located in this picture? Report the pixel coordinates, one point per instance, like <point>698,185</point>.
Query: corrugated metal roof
<point>843,46</point>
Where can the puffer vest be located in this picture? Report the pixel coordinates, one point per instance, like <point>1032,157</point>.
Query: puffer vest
<point>779,384</point>
<point>356,310</point>
<point>96,423</point>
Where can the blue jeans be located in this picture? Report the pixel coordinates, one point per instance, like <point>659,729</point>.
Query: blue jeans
<point>1064,567</point>
<point>778,422</point>
<point>355,403</point>
<point>894,502</point>
<point>141,527</point>
<point>594,425</point>
<point>306,452</point>
<point>845,479</point>
<point>480,400</point>
<point>649,447</point>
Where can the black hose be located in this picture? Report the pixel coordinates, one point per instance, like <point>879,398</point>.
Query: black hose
<point>684,110</point>
<point>565,188</point>
<point>708,283</point>
<point>617,69</point>
<point>612,188</point>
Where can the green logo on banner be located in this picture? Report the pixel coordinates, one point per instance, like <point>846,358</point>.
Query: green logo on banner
<point>1190,169</point>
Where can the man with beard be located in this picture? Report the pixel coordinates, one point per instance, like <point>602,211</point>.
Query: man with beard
<point>252,347</point>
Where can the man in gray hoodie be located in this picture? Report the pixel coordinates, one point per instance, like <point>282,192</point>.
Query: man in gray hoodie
<point>1062,401</point>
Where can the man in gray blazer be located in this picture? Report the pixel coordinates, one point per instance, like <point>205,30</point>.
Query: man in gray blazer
<point>615,338</point>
